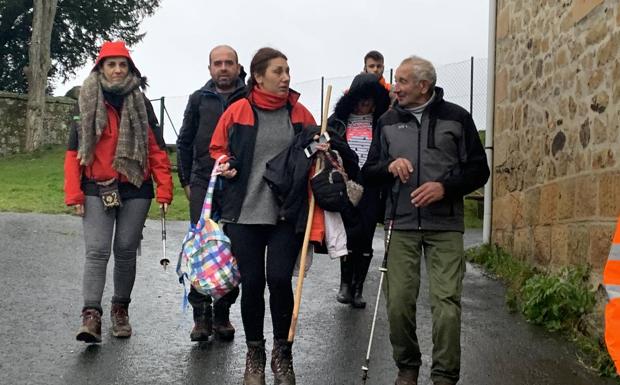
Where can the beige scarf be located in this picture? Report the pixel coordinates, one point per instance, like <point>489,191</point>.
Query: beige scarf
<point>131,154</point>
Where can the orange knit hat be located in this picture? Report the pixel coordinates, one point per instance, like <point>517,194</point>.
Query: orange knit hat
<point>112,49</point>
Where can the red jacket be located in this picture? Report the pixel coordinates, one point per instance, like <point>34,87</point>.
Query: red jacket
<point>238,149</point>
<point>158,164</point>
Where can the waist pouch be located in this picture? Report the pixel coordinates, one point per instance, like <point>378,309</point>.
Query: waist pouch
<point>109,194</point>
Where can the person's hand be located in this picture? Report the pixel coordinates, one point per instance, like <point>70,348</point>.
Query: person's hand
<point>188,191</point>
<point>401,168</point>
<point>321,146</point>
<point>426,194</point>
<point>225,170</point>
<point>79,210</point>
<point>164,206</point>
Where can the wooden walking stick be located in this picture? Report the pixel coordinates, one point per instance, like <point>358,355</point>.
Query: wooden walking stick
<point>304,247</point>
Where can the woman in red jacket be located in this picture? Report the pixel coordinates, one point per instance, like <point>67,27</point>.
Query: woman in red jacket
<point>251,132</point>
<point>113,156</point>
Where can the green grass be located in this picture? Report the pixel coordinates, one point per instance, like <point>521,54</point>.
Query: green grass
<point>34,183</point>
<point>472,221</point>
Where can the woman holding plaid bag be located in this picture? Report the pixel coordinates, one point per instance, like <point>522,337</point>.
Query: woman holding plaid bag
<point>251,132</point>
<point>115,151</point>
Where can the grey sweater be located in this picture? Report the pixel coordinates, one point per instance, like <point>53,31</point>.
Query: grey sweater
<point>260,206</point>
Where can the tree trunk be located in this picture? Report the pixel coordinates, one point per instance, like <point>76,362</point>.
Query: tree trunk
<point>37,70</point>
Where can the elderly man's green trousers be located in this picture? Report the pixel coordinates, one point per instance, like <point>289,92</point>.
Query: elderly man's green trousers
<point>445,265</point>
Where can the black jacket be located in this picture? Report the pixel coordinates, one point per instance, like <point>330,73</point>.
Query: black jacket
<point>360,221</point>
<point>443,147</point>
<point>287,174</point>
<point>204,108</point>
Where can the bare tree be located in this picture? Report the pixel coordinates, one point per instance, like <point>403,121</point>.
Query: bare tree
<point>37,70</point>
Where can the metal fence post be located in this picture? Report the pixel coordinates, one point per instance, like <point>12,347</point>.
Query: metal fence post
<point>391,75</point>
<point>162,111</point>
<point>471,88</point>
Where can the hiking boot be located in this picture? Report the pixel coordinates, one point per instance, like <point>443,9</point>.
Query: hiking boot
<point>120,320</point>
<point>90,331</point>
<point>203,323</point>
<point>222,327</point>
<point>255,361</point>
<point>346,273</point>
<point>282,363</point>
<point>407,376</point>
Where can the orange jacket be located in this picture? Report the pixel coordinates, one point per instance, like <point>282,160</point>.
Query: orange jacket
<point>385,84</point>
<point>611,280</point>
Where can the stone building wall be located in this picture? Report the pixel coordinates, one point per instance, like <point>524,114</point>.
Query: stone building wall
<point>59,112</point>
<point>557,130</point>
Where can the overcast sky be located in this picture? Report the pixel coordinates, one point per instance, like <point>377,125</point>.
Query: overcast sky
<point>320,37</point>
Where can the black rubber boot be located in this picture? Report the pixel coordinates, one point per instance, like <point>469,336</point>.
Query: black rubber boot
<point>345,294</point>
<point>282,363</point>
<point>360,270</point>
<point>221,321</point>
<point>203,322</point>
<point>255,361</point>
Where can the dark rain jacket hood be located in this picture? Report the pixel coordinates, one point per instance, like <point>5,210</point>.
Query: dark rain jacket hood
<point>364,86</point>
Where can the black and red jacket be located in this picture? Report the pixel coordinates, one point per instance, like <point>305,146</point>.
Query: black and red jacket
<point>235,138</point>
<point>81,180</point>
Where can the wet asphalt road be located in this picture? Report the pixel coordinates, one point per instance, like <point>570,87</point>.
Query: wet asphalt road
<point>40,278</point>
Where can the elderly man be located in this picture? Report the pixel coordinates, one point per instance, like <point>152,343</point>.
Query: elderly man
<point>429,150</point>
<point>194,168</point>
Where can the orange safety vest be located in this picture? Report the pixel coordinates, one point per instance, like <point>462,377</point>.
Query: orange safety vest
<point>611,280</point>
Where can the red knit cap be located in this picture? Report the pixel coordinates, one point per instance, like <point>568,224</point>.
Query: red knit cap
<point>112,49</point>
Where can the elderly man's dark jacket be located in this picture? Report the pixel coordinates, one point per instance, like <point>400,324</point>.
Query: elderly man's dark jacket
<point>443,147</point>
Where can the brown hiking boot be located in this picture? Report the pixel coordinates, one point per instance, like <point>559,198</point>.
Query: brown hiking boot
<point>203,323</point>
<point>407,376</point>
<point>255,361</point>
<point>90,331</point>
<point>221,322</point>
<point>120,320</point>
<point>282,363</point>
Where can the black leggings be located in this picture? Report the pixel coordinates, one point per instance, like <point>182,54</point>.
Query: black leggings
<point>249,243</point>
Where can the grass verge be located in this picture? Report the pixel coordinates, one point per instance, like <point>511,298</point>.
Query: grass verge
<point>34,183</point>
<point>560,301</point>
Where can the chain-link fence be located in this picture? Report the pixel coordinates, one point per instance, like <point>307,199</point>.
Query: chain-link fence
<point>464,83</point>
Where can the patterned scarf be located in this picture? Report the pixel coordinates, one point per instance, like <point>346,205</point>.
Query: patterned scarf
<point>131,147</point>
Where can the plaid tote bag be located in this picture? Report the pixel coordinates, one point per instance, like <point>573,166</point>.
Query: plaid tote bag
<point>206,260</point>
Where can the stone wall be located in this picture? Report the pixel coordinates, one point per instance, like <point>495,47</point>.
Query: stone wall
<point>59,112</point>
<point>557,123</point>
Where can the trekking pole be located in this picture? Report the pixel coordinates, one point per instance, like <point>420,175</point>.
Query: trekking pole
<point>383,270</point>
<point>304,247</point>
<point>163,261</point>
